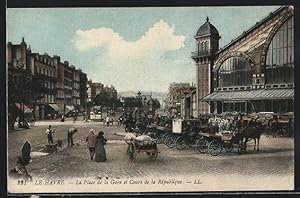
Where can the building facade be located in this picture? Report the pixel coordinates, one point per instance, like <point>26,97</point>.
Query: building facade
<point>83,90</point>
<point>45,69</point>
<point>94,89</point>
<point>173,100</point>
<point>63,87</point>
<point>18,68</point>
<point>253,73</point>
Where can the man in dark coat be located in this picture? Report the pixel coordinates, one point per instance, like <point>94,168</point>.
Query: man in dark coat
<point>71,132</point>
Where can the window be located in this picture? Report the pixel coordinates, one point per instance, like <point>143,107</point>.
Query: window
<point>280,55</point>
<point>235,71</point>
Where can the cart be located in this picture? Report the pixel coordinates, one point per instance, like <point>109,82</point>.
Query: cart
<point>146,146</point>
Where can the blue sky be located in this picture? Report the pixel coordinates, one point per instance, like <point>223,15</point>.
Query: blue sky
<point>131,48</point>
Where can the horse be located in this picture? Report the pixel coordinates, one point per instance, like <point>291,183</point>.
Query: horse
<point>252,132</point>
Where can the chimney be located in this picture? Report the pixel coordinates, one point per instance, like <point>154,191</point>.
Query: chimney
<point>66,63</point>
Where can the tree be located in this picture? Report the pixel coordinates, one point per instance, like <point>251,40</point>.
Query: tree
<point>106,99</point>
<point>23,88</point>
<point>132,102</point>
<point>155,104</point>
<point>103,99</point>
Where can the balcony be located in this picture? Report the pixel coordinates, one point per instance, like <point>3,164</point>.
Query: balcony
<point>199,54</point>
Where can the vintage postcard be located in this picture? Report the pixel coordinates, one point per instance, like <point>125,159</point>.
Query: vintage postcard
<point>150,99</point>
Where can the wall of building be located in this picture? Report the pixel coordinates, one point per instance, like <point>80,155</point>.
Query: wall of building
<point>62,83</point>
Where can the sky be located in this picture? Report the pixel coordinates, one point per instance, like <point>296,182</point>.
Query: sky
<point>133,49</point>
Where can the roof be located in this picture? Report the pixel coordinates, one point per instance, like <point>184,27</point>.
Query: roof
<point>272,14</point>
<point>262,94</point>
<point>207,29</point>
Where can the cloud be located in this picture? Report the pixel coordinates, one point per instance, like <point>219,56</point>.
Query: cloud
<point>133,65</point>
<point>158,39</point>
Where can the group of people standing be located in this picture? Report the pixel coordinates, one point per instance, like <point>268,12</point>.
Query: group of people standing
<point>95,143</point>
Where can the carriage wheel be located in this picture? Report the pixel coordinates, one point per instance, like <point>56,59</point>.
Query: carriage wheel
<point>180,143</point>
<point>215,147</point>
<point>228,147</point>
<point>162,139</point>
<point>171,142</point>
<point>202,145</point>
<point>166,138</point>
<point>153,155</point>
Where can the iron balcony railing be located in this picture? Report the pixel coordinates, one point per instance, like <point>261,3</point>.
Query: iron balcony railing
<point>198,54</point>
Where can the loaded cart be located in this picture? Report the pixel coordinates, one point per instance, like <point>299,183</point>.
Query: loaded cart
<point>148,146</point>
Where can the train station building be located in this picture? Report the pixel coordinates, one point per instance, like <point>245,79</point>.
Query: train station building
<point>252,73</point>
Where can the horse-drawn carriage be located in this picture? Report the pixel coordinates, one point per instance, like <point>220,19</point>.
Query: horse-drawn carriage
<point>187,132</point>
<point>225,140</point>
<point>184,133</point>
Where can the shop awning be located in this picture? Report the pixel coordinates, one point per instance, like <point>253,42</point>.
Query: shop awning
<point>265,94</point>
<point>21,106</point>
<point>69,108</point>
<point>55,107</point>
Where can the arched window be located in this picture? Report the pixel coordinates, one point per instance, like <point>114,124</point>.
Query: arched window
<point>235,71</point>
<point>205,46</point>
<point>280,55</point>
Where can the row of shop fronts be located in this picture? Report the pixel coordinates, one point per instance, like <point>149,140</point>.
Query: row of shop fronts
<point>45,111</point>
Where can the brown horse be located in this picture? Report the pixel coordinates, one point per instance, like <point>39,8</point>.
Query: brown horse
<point>252,132</point>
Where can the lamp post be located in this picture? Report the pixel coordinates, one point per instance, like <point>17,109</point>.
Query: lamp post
<point>140,100</point>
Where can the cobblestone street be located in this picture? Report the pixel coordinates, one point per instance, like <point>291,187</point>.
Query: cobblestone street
<point>276,158</point>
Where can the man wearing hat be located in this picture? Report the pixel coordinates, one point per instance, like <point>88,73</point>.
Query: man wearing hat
<point>91,143</point>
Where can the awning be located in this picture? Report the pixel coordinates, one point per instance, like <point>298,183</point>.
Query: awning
<point>22,105</point>
<point>55,107</point>
<point>264,94</point>
<point>69,108</point>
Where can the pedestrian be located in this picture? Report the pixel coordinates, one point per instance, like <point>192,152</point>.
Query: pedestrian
<point>100,154</point>
<point>25,157</point>
<point>74,119</point>
<point>50,133</point>
<point>107,121</point>
<point>71,132</point>
<point>62,118</point>
<point>91,143</point>
<point>112,121</point>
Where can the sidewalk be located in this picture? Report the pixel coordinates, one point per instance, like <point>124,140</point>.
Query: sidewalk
<point>68,122</point>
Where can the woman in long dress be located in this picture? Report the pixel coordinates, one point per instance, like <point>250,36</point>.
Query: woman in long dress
<point>100,154</point>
